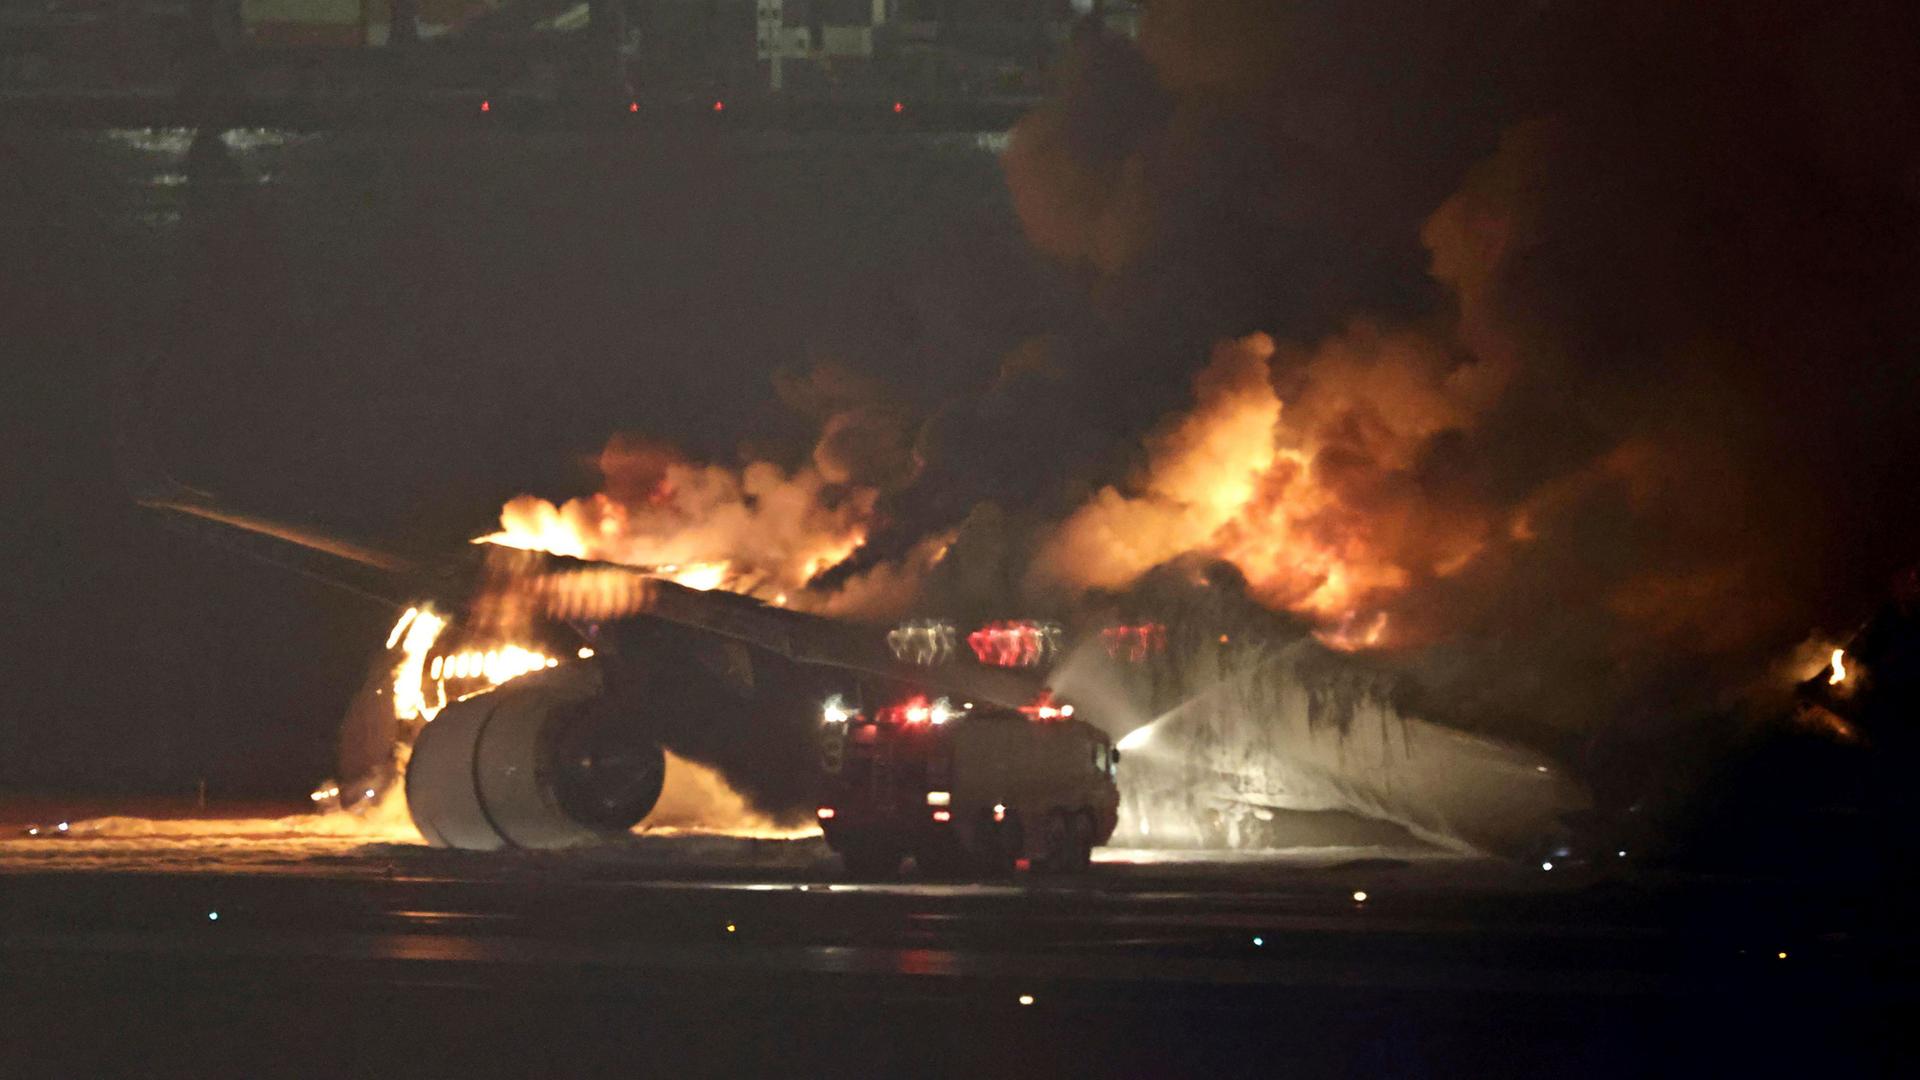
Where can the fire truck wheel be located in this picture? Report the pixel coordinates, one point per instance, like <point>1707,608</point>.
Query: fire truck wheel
<point>867,859</point>
<point>1061,850</point>
<point>1083,830</point>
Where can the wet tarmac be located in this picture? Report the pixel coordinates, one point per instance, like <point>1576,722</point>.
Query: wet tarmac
<point>275,955</point>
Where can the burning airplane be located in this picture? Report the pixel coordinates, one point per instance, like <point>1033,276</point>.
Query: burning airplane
<point>528,698</point>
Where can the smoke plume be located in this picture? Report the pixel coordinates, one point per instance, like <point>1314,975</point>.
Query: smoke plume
<point>1557,353</point>
<point>1633,431</point>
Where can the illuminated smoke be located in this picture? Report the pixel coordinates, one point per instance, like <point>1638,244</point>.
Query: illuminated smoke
<point>1583,476</point>
<point>697,799</point>
<point>759,529</point>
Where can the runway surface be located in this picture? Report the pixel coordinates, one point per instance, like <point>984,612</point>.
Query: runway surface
<point>213,948</point>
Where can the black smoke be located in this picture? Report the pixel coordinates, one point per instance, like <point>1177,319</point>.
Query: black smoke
<point>1676,247</point>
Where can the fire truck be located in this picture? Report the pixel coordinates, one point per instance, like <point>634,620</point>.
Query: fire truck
<point>961,788</point>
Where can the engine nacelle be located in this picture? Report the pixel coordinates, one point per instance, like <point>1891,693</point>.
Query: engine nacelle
<point>540,762</point>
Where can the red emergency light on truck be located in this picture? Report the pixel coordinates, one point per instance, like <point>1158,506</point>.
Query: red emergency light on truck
<point>961,787</point>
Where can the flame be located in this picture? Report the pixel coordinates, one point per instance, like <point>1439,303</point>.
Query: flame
<point>1839,666</point>
<point>704,577</point>
<point>1303,496</point>
<point>415,634</point>
<point>759,530</point>
<point>417,670</point>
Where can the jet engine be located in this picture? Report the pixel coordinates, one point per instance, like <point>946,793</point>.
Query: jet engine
<point>542,761</point>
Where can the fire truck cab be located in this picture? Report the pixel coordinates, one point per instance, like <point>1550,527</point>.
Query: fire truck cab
<point>960,788</point>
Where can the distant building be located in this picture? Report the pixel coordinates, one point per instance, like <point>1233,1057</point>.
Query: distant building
<point>348,22</point>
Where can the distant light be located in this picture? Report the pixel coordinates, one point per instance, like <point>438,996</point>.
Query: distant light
<point>1781,955</point>
<point>943,815</point>
<point>731,928</point>
<point>825,813</point>
<point>1622,853</point>
<point>1359,896</point>
<point>939,798</point>
<point>1026,999</point>
<point>1066,710</point>
<point>1260,941</point>
<point>486,106</point>
<point>1224,639</point>
<point>369,793</point>
<point>633,106</point>
<point>835,711</point>
<point>33,831</point>
<point>214,916</point>
<point>62,826</point>
<point>719,106</point>
<point>1546,866</point>
<point>999,811</point>
<point>1539,768</point>
<point>585,653</point>
<point>899,107</point>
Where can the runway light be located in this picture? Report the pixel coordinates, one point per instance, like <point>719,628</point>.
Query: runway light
<point>1359,896</point>
<point>1546,866</point>
<point>1026,999</point>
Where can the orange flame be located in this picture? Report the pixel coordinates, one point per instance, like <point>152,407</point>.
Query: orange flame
<point>1295,494</point>
<point>759,530</point>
